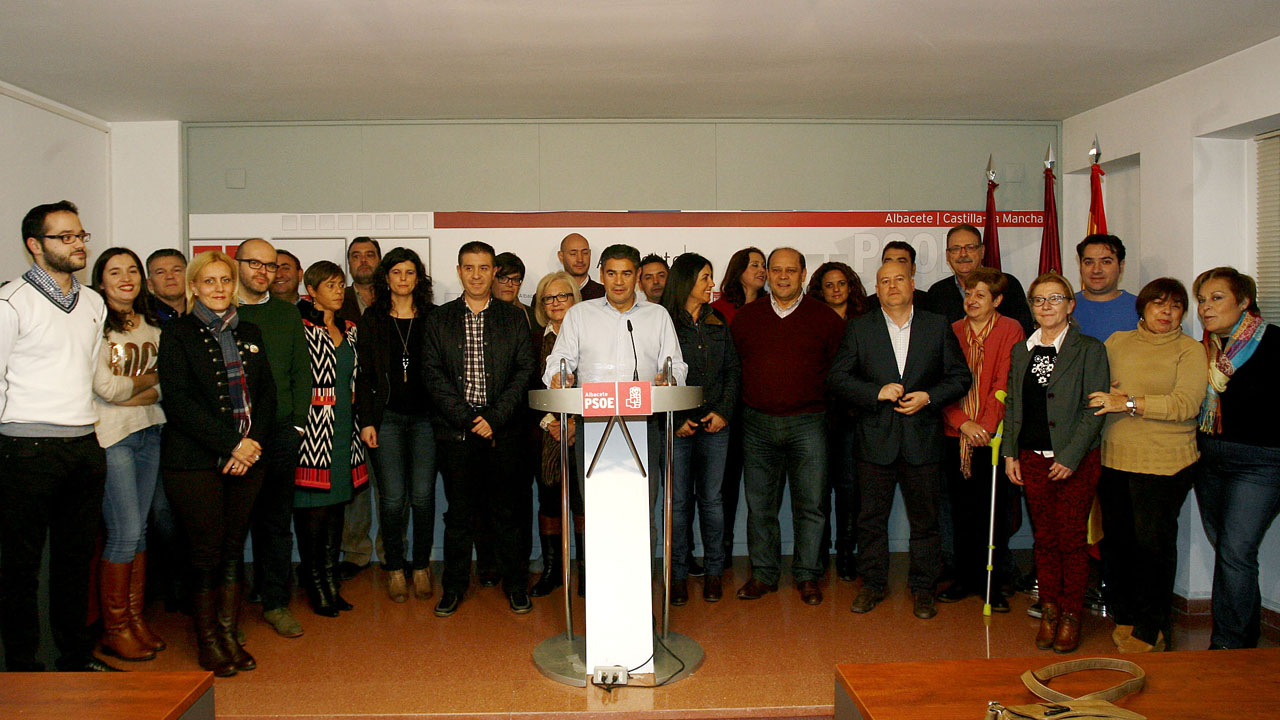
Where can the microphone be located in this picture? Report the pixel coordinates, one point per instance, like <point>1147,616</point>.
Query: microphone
<point>635,374</point>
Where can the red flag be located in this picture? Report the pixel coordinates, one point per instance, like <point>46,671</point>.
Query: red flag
<point>990,235</point>
<point>1097,214</point>
<point>1050,246</point>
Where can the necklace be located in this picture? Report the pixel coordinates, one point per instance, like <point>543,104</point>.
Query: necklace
<point>404,344</point>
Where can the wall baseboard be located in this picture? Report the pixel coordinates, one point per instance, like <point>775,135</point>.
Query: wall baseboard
<point>1201,609</point>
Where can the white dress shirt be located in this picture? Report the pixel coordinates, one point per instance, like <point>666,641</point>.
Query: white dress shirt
<point>595,342</point>
<point>900,338</point>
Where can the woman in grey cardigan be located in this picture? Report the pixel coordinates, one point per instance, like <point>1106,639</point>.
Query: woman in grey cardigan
<point>1051,448</point>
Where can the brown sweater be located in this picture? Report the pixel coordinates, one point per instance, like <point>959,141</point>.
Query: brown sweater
<point>785,360</point>
<point>1169,371</point>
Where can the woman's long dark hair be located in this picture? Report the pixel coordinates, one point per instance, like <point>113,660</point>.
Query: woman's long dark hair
<point>857,293</point>
<point>731,286</point>
<point>680,281</point>
<point>382,288</point>
<point>141,304</point>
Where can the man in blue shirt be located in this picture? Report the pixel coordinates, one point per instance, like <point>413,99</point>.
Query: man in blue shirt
<point>1102,307</point>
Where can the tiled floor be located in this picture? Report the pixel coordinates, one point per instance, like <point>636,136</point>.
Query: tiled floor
<point>772,657</point>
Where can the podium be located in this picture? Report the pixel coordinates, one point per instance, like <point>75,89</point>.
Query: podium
<point>619,606</point>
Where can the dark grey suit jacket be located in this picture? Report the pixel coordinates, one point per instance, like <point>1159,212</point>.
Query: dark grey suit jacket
<point>865,363</point>
<point>1080,368</point>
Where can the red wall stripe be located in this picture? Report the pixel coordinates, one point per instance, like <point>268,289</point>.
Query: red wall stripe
<point>861,218</point>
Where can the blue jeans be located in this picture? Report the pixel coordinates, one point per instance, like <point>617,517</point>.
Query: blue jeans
<point>778,449</point>
<point>698,470</point>
<point>133,470</point>
<point>1238,488</point>
<point>405,472</point>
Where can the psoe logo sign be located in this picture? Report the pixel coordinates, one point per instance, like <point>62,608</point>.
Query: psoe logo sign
<point>599,399</point>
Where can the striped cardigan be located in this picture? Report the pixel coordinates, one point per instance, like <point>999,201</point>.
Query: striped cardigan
<point>315,455</point>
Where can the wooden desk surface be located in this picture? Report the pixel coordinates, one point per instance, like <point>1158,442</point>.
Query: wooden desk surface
<point>112,696</point>
<point>1202,684</point>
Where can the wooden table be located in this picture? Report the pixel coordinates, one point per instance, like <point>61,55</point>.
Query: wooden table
<point>1228,684</point>
<point>107,696</point>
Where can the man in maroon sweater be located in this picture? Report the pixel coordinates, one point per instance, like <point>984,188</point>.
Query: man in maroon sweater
<point>786,346</point>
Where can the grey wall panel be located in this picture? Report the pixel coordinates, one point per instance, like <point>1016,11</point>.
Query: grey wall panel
<point>287,168</point>
<point>802,166</point>
<point>938,166</point>
<point>628,166</point>
<point>450,167</point>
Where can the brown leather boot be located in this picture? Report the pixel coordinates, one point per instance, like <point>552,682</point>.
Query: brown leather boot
<point>138,603</point>
<point>118,638</point>
<point>1068,634</point>
<point>1049,621</point>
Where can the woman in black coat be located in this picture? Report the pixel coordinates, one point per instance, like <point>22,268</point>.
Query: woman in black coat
<point>217,382</point>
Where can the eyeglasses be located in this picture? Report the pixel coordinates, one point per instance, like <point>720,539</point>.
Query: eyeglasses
<point>509,280</point>
<point>1055,300</point>
<point>68,238</point>
<point>258,265</point>
<point>561,298</point>
<point>966,249</point>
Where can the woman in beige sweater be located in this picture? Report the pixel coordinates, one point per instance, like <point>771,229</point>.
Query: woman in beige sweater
<point>1148,451</point>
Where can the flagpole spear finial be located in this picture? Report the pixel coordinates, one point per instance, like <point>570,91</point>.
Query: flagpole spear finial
<point>1049,160</point>
<point>1095,152</point>
<point>991,171</point>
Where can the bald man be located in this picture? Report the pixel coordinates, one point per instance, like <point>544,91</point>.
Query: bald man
<point>286,348</point>
<point>899,367</point>
<point>575,256</point>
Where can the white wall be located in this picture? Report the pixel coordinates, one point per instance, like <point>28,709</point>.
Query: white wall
<point>1191,138</point>
<point>50,152</point>
<point>146,186</point>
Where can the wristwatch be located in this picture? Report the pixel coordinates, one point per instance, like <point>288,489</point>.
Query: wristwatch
<point>1132,405</point>
<point>546,421</point>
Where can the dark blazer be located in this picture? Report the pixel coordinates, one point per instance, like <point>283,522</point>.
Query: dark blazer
<point>199,430</point>
<point>373,337</point>
<point>865,363</point>
<point>945,298</point>
<point>508,363</point>
<point>708,349</point>
<point>1080,368</point>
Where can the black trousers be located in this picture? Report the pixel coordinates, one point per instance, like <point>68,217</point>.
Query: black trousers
<point>971,514</point>
<point>1140,522</point>
<point>488,494</point>
<point>921,490</point>
<point>53,486</point>
<point>271,518</point>
<point>213,510</point>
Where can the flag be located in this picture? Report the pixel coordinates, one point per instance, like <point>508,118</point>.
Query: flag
<point>990,235</point>
<point>1050,246</point>
<point>1097,214</point>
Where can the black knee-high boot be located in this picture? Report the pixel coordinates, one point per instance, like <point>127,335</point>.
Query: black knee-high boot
<point>210,652</point>
<point>312,536</point>
<point>334,516</point>
<point>229,596</point>
<point>551,573</point>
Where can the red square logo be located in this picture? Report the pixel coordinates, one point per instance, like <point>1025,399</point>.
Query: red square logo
<point>599,399</point>
<point>635,398</point>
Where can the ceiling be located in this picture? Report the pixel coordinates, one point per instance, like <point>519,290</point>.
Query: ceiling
<point>265,60</point>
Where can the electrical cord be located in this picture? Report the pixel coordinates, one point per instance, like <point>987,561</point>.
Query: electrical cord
<point>609,687</point>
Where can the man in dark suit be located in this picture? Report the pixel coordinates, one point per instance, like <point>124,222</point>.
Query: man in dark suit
<point>899,367</point>
<point>964,255</point>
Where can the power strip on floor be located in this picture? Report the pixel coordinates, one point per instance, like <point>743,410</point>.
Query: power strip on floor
<point>609,675</point>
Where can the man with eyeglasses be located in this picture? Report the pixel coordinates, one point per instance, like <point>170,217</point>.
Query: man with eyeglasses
<point>964,255</point>
<point>575,256</point>
<point>53,468</point>
<point>507,280</point>
<point>363,256</point>
<point>285,343</point>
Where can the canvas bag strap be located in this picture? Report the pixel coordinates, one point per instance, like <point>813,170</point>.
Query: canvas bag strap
<point>1035,679</point>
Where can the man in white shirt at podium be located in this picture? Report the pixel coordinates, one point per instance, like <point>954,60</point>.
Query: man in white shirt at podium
<point>619,337</point>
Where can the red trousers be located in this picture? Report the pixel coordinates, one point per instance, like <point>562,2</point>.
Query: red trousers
<point>1059,519</point>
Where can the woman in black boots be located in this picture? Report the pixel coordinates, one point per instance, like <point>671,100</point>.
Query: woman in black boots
<point>331,463</point>
<point>216,383</point>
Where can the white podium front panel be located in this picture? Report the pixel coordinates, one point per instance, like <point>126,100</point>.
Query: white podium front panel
<point>619,605</point>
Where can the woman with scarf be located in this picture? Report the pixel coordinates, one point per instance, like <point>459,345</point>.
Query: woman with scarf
<point>331,463</point>
<point>1050,447</point>
<point>1238,480</point>
<point>1148,456</point>
<point>987,339</point>
<point>216,384</point>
